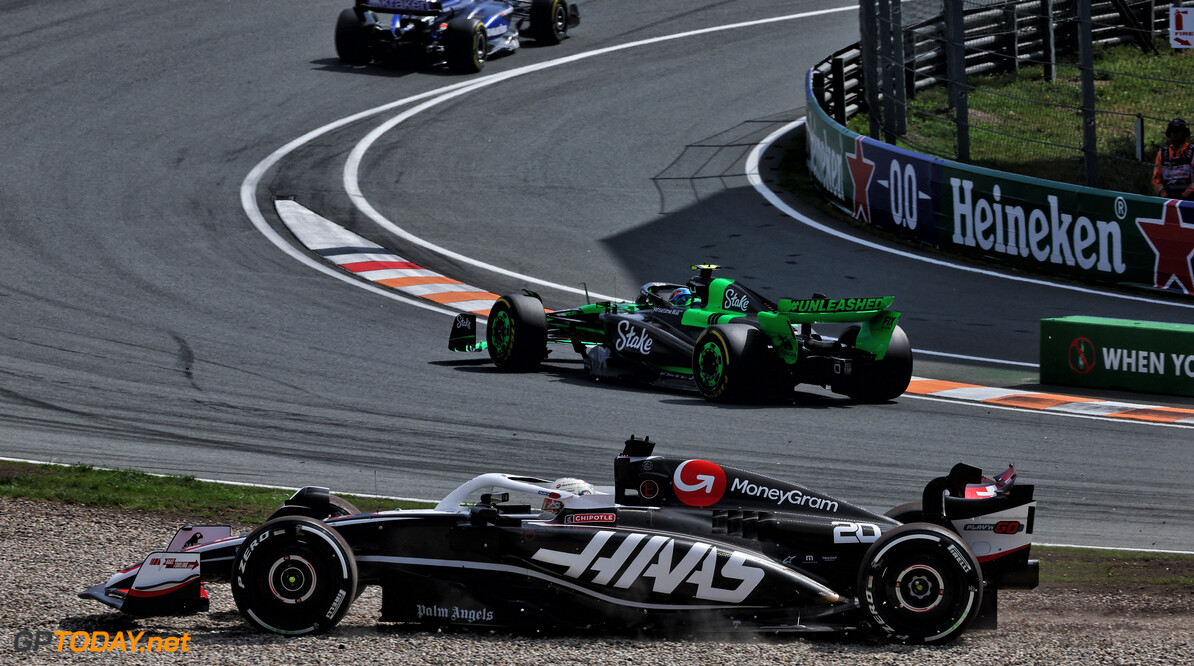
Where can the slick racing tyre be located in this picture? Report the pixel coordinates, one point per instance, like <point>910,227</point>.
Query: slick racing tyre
<point>352,39</point>
<point>336,507</point>
<point>886,379</point>
<point>912,512</point>
<point>516,335</point>
<point>730,364</point>
<point>920,583</point>
<point>549,21</point>
<point>466,46</point>
<point>294,575</point>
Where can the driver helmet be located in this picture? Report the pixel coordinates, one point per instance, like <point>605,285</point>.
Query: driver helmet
<point>569,485</point>
<point>1175,126</point>
<point>681,297</point>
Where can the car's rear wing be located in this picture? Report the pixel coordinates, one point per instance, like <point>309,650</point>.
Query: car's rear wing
<point>820,310</point>
<point>876,322</point>
<point>412,7</point>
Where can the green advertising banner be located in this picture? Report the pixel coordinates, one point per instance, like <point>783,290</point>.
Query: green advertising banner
<point>1119,354</point>
<point>1030,223</point>
<point>1066,230</point>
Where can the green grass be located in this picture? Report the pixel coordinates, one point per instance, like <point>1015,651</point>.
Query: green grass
<point>182,496</point>
<point>1142,83</point>
<point>187,499</point>
<point>1088,567</point>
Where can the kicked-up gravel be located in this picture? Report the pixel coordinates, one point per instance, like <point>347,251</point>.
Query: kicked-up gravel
<point>49,552</point>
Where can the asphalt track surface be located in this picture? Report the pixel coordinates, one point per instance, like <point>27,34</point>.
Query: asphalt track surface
<point>146,322</point>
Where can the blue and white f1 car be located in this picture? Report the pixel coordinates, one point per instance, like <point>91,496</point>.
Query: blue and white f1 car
<point>461,34</point>
<point>674,543</point>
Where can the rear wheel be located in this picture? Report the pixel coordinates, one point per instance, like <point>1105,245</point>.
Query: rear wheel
<point>294,575</point>
<point>920,583</point>
<point>888,378</point>
<point>516,335</point>
<point>466,46</point>
<point>549,21</point>
<point>912,512</point>
<point>352,39</point>
<point>730,364</point>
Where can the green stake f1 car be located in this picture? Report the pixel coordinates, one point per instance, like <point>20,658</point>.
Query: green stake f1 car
<point>733,343</point>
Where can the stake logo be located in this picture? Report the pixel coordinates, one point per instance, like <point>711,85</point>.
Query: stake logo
<point>699,482</point>
<point>630,338</point>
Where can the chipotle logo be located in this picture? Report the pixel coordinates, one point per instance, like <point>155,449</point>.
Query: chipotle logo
<point>592,518</point>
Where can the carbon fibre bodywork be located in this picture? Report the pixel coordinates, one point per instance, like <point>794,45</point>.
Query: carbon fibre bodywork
<point>461,34</point>
<point>730,342</point>
<point>675,544</point>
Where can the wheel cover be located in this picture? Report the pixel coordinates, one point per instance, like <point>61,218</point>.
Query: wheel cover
<point>502,333</point>
<point>559,19</point>
<point>711,364</point>
<point>919,588</point>
<point>292,579</point>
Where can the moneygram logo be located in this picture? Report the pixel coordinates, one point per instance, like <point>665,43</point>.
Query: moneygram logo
<point>699,482</point>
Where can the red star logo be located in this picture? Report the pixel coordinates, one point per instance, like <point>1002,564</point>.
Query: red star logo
<point>861,170</point>
<point>1173,242</point>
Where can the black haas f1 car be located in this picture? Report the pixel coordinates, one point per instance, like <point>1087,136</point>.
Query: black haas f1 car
<point>735,344</point>
<point>462,34</point>
<point>675,545</point>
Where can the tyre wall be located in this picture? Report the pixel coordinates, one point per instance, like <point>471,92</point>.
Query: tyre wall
<point>1034,224</point>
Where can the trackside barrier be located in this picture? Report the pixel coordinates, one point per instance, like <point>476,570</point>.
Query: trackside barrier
<point>1118,353</point>
<point>1033,224</point>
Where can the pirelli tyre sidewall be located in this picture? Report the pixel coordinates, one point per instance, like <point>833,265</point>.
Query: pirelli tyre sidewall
<point>920,583</point>
<point>729,363</point>
<point>516,335</point>
<point>549,21</point>
<point>294,575</point>
<point>466,45</point>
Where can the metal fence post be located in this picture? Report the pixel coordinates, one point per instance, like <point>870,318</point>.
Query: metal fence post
<point>1049,42</point>
<point>955,46</point>
<point>870,68</point>
<point>885,70</point>
<point>1139,138</point>
<point>910,63</point>
<point>897,70</point>
<point>1011,43</point>
<point>837,69</point>
<point>1086,58</point>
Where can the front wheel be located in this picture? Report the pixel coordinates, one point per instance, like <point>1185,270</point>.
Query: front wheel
<point>549,21</point>
<point>466,46</point>
<point>516,335</point>
<point>920,583</point>
<point>294,575</point>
